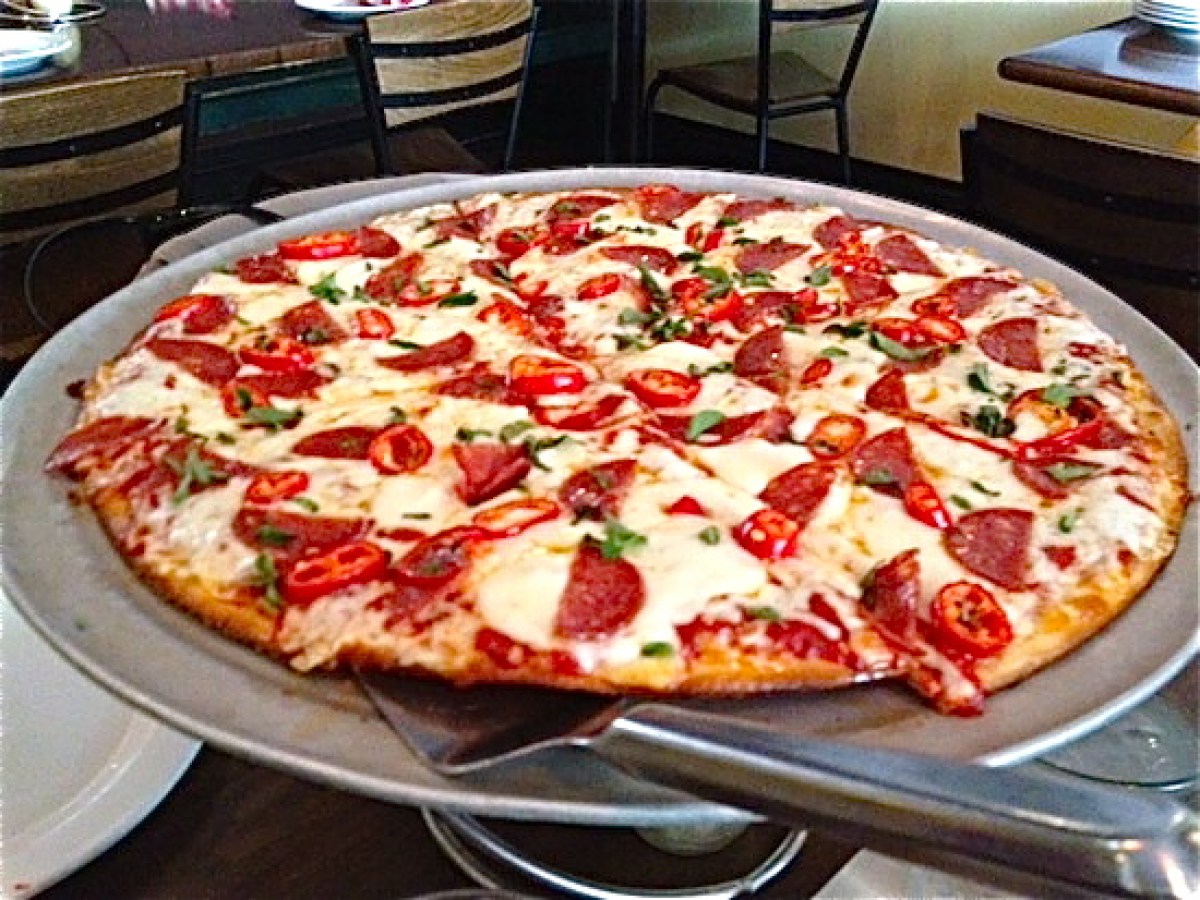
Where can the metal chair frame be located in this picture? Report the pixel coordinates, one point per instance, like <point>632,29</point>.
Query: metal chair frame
<point>764,113</point>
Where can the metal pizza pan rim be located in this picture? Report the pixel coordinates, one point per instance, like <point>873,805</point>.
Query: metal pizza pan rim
<point>64,577</point>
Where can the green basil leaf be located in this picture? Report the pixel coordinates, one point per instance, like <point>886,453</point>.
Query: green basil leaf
<point>275,537</point>
<point>833,353</point>
<point>326,289</point>
<point>467,298</point>
<point>820,276</point>
<point>1061,395</point>
<point>514,429</point>
<point>658,649</point>
<point>896,350</point>
<point>765,613</point>
<point>1067,471</point>
<point>618,539</point>
<point>710,535</point>
<point>703,421</point>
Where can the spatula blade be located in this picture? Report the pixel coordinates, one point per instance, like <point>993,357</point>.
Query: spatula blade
<point>457,731</point>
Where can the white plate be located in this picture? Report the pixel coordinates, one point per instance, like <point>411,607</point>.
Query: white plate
<point>23,50</point>
<point>80,768</point>
<point>352,9</point>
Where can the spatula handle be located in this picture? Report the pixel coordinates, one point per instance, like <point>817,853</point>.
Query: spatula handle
<point>1032,832</point>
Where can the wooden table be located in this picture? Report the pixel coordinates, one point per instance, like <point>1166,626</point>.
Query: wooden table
<point>1129,61</point>
<point>256,34</point>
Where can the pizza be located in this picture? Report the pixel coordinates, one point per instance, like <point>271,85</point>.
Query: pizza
<point>637,440</point>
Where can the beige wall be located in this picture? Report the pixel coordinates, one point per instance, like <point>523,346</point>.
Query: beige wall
<point>930,65</point>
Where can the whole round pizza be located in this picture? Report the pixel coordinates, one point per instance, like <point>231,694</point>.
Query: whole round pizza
<point>635,440</point>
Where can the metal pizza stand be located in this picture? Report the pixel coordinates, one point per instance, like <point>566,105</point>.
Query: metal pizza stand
<point>63,575</point>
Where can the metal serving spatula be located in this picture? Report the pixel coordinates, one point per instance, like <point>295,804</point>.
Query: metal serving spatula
<point>1047,834</point>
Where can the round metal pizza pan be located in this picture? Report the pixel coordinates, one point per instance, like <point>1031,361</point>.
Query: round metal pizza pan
<point>65,578</point>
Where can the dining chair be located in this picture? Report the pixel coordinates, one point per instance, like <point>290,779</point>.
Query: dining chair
<point>415,68</point>
<point>70,152</point>
<point>1126,216</point>
<point>778,82</point>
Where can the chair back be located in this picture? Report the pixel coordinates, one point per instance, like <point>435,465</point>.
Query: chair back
<point>448,56</point>
<point>76,151</point>
<point>1127,216</point>
<point>778,17</point>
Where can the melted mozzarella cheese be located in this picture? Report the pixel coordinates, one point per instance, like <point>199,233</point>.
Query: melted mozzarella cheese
<point>750,465</point>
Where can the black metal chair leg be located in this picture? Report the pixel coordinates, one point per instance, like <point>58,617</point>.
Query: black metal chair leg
<point>764,137</point>
<point>843,141</point>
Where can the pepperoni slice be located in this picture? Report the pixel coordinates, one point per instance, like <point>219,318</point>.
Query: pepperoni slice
<point>1013,343</point>
<point>763,360</point>
<point>199,313</point>
<point>762,306</point>
<point>438,559</point>
<point>489,469</point>
<point>468,226</point>
<point>109,434</point>
<point>663,203</point>
<point>1035,475</point>
<point>807,642</point>
<point>886,463</point>
<point>267,268</point>
<point>867,289</point>
<point>480,383</point>
<point>493,270</point>
<point>901,253</point>
<point>597,493</point>
<point>970,295</point>
<point>577,206</point>
<point>348,442</point>
<point>994,544</point>
<point>309,323</point>
<point>768,257</point>
<point>443,353</point>
<point>389,283</point>
<point>278,353</point>
<point>602,595</point>
<point>209,363</point>
<point>892,595</point>
<point>889,393</point>
<point>302,383</point>
<point>770,424</point>
<point>291,533</point>
<point>830,232</point>
<point>799,492</point>
<point>750,209</point>
<point>581,417</point>
<point>655,258</point>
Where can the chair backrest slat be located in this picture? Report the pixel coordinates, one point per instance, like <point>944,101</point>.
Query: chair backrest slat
<point>76,151</point>
<point>449,56</point>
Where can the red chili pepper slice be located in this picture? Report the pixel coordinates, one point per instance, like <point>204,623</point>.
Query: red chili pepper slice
<point>816,371</point>
<point>1059,444</point>
<point>333,244</point>
<point>663,387</point>
<point>507,315</point>
<point>267,487</point>
<point>967,619</point>
<point>922,502</point>
<point>399,449</point>
<point>537,376</point>
<point>686,506</point>
<point>692,295</point>
<point>768,534</point>
<point>515,242</point>
<point>902,331</point>
<point>512,518</point>
<point>835,435</point>
<point>326,245</point>
<point>314,577</point>
<point>238,398</point>
<point>278,354</point>
<point>584,417</point>
<point>200,313</point>
<point>373,324</point>
<point>941,329</point>
<point>599,286</point>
